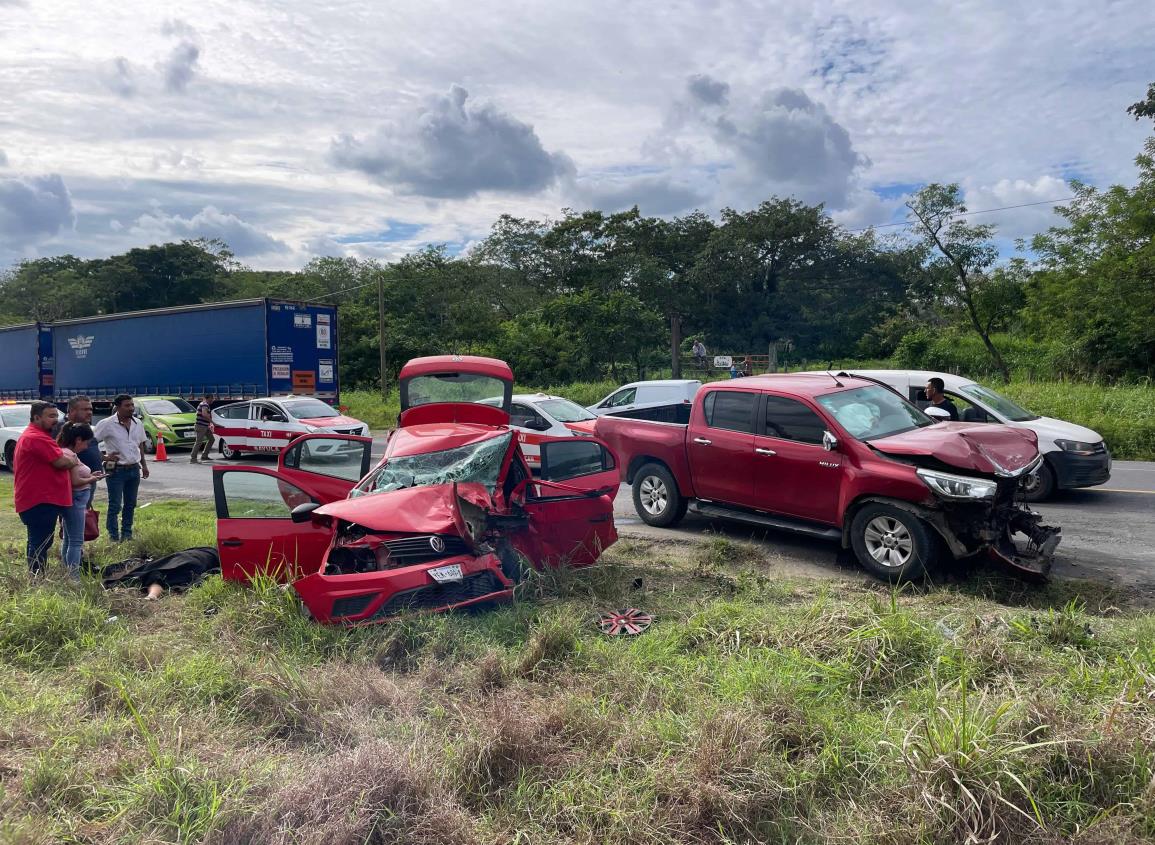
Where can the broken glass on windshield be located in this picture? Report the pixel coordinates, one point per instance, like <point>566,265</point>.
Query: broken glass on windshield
<point>477,462</point>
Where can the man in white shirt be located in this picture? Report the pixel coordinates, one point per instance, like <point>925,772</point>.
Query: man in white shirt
<point>122,438</point>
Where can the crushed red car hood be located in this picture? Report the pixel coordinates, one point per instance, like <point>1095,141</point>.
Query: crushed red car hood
<point>417,510</point>
<point>979,447</point>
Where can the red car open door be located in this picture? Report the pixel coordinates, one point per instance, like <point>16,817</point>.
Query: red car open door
<point>571,506</point>
<point>255,530</point>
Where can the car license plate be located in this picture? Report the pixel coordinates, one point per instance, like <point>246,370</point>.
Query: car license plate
<point>446,574</point>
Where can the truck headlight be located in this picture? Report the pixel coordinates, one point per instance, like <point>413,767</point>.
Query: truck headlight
<point>957,486</point>
<point>1078,447</point>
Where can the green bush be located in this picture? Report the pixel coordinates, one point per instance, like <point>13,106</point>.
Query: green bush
<point>40,627</point>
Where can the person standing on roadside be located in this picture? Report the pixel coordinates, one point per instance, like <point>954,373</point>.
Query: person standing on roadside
<point>123,438</point>
<point>80,413</point>
<point>204,428</point>
<point>74,439</point>
<point>43,490</point>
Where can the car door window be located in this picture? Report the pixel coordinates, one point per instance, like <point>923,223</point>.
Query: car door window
<point>269,413</point>
<point>234,412</point>
<point>333,457</point>
<point>573,459</point>
<point>622,397</point>
<point>523,415</point>
<point>250,495</point>
<point>968,411</point>
<point>732,410</point>
<point>789,419</point>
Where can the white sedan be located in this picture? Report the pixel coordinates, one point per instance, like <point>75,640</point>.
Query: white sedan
<point>13,420</point>
<point>537,416</point>
<point>267,425</point>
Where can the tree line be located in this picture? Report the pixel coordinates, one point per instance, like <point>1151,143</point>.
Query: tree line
<point>595,295</point>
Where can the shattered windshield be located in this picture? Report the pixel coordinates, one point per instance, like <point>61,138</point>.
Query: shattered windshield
<point>478,462</point>
<point>870,412</point>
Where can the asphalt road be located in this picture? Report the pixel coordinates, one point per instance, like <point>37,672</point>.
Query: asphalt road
<point>1108,531</point>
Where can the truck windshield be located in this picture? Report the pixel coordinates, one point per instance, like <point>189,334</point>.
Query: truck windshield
<point>565,411</point>
<point>870,412</point>
<point>310,409</point>
<point>478,462</point>
<point>998,403</point>
<point>161,407</point>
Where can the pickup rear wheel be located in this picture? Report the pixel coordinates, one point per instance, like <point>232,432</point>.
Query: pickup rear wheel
<point>893,544</point>
<point>656,496</point>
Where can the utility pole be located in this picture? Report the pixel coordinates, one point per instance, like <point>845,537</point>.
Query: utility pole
<point>381,331</point>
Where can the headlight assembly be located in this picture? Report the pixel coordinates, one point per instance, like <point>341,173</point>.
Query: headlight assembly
<point>1078,447</point>
<point>957,486</point>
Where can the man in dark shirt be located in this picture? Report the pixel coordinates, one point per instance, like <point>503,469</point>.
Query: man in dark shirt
<point>80,412</point>
<point>934,392</point>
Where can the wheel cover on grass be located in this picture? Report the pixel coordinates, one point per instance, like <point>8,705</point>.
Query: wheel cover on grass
<point>629,622</point>
<point>888,541</point>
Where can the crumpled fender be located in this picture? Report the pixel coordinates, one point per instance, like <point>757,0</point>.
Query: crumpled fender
<point>935,518</point>
<point>980,447</point>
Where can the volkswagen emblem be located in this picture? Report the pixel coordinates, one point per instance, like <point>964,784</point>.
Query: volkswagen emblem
<point>437,544</point>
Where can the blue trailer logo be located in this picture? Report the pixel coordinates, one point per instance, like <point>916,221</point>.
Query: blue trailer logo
<point>80,344</point>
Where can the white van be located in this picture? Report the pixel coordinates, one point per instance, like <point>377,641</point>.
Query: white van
<point>1074,456</point>
<point>652,400</point>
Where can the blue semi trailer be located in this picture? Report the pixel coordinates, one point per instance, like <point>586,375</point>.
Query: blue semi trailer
<point>236,350</point>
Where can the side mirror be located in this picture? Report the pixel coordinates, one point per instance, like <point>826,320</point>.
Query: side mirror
<point>829,441</point>
<point>304,512</point>
<point>937,414</point>
<point>538,424</point>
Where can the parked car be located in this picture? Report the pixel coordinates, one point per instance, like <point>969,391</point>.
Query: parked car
<point>663,400</point>
<point>841,458</point>
<point>1073,456</point>
<point>13,420</point>
<point>451,515</point>
<point>538,416</point>
<point>169,417</point>
<point>268,425</point>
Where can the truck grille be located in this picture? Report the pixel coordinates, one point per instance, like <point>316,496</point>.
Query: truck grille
<point>440,595</point>
<point>408,551</point>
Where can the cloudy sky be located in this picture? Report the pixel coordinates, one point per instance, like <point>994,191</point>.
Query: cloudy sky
<point>298,128</point>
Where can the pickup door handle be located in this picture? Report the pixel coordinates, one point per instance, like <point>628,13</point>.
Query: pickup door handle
<point>765,451</point>
<point>702,441</point>
<point>232,543</point>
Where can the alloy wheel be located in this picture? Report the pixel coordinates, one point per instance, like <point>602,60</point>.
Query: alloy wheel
<point>888,541</point>
<point>654,495</point>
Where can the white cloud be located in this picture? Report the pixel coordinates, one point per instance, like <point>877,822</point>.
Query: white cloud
<point>451,148</point>
<point>3,159</point>
<point>243,238</point>
<point>1035,214</point>
<point>33,209</point>
<point>783,96</point>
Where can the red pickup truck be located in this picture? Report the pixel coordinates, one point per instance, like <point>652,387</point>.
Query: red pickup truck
<point>843,458</point>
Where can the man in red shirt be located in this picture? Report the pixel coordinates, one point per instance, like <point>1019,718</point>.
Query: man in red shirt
<point>43,488</point>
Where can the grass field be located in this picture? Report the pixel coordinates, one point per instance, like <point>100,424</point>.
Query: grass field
<point>759,708</point>
<point>1124,415</point>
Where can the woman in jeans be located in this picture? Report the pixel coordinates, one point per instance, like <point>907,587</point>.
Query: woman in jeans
<point>74,438</point>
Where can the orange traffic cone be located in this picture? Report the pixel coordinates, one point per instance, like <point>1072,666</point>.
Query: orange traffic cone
<point>161,451</point>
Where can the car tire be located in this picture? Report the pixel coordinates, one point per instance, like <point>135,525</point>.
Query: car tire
<point>228,452</point>
<point>1039,485</point>
<point>657,499</point>
<point>10,456</point>
<point>893,544</point>
<point>150,445</point>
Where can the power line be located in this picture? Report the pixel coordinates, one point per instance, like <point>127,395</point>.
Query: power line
<point>970,213</point>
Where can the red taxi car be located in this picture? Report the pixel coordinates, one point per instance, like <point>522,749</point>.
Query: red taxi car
<point>449,517</point>
<point>268,425</point>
